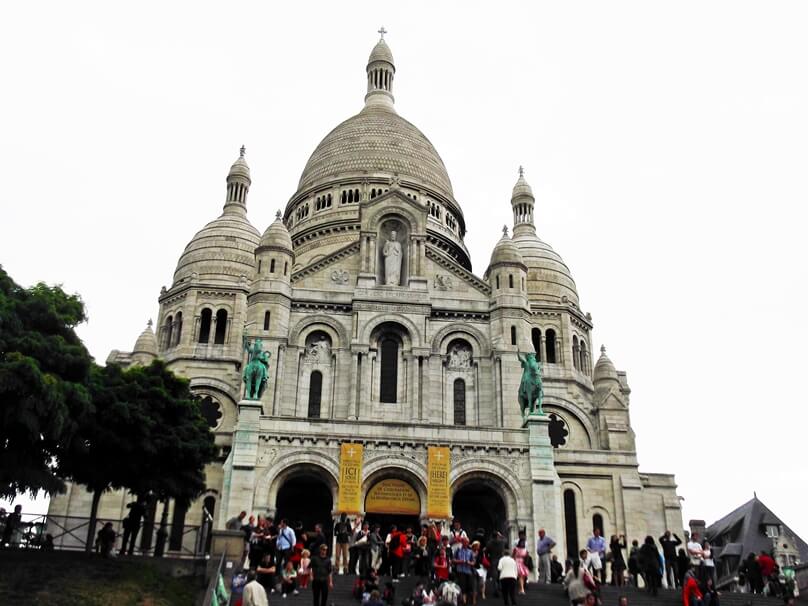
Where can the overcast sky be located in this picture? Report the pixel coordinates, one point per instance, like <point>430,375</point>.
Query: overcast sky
<point>666,144</point>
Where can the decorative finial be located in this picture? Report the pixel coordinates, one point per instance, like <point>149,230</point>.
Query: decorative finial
<point>504,231</point>
<point>521,171</point>
<point>278,214</point>
<point>149,323</point>
<point>603,349</point>
<point>242,151</point>
<point>382,32</point>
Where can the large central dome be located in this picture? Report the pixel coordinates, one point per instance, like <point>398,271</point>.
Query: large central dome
<point>377,142</point>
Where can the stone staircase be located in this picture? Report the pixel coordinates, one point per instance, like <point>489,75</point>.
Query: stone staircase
<point>537,595</point>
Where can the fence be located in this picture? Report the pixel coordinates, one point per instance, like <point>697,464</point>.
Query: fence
<point>70,533</point>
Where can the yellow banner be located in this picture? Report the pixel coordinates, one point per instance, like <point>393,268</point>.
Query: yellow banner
<point>438,496</point>
<point>393,496</point>
<point>350,478</point>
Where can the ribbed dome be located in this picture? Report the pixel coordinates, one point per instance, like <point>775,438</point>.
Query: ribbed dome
<point>548,277</point>
<point>604,369</point>
<point>377,142</point>
<point>381,52</point>
<point>277,236</point>
<point>222,251</point>
<point>240,168</point>
<point>146,342</point>
<point>505,252</point>
<point>522,187</point>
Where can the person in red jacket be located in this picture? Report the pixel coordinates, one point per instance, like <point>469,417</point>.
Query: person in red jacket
<point>396,552</point>
<point>691,594</point>
<point>767,564</point>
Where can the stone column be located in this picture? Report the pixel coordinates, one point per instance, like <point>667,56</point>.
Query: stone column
<point>546,485</point>
<point>354,386</point>
<point>243,458</point>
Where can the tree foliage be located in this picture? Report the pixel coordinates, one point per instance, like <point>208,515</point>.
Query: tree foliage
<point>43,373</point>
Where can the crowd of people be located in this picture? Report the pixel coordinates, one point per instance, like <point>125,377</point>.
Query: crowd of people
<point>461,567</point>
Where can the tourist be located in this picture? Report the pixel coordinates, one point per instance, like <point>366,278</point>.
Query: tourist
<point>682,563</point>
<point>408,546</point>
<point>284,544</point>
<point>596,545</point>
<point>456,536</point>
<point>634,571</point>
<point>342,533</point>
<point>318,539</point>
<point>47,544</point>
<point>374,599</point>
<point>481,564</point>
<point>616,547</point>
<point>650,565</point>
<point>353,553</point>
<point>507,573</point>
<point>362,549</point>
<point>544,548</point>
<point>322,579</point>
<point>556,570</point>
<point>519,554</point>
<point>105,540</point>
<point>767,566</point>
<point>754,575</point>
<point>234,523</point>
<point>669,542</point>
<point>691,594</point>
<point>578,581</point>
<point>304,570</point>
<point>265,574</point>
<point>710,594</point>
<point>495,548</point>
<point>376,548</point>
<point>708,563</point>
<point>131,524</point>
<point>300,545</point>
<point>289,579</point>
<point>463,563</point>
<point>254,593</point>
<point>420,557</point>
<point>12,533</point>
<point>395,551</point>
<point>440,565</point>
<point>694,551</point>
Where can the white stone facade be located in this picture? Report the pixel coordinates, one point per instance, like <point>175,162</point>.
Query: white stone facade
<point>313,289</point>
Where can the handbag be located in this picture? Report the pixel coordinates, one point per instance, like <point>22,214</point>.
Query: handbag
<point>529,563</point>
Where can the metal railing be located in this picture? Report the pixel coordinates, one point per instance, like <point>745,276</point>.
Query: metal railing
<point>213,583</point>
<point>70,533</point>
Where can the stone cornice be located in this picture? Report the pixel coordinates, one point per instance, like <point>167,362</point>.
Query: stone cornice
<point>337,255</point>
<point>452,266</point>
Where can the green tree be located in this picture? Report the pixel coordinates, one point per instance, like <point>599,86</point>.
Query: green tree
<point>43,372</point>
<point>146,435</point>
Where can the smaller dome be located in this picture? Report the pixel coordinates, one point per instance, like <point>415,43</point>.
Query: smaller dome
<point>381,52</point>
<point>240,167</point>
<point>146,343</point>
<point>604,369</point>
<point>277,236</point>
<point>505,251</point>
<point>522,188</point>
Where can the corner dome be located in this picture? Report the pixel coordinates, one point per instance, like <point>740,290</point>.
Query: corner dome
<point>505,252</point>
<point>221,252</point>
<point>147,342</point>
<point>379,143</point>
<point>604,369</point>
<point>381,52</point>
<point>277,236</point>
<point>548,277</point>
<point>522,187</point>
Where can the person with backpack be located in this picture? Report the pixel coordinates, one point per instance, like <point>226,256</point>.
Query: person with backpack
<point>342,533</point>
<point>284,544</point>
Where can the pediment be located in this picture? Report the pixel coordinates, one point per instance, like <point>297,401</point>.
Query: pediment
<point>336,269</point>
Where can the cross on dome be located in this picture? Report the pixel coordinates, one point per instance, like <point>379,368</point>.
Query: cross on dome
<point>382,32</point>
<point>278,214</point>
<point>504,231</point>
<point>603,349</point>
<point>149,323</point>
<point>521,171</point>
<point>242,151</point>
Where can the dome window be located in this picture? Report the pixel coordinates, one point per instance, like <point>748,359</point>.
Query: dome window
<point>510,280</point>
<point>205,319</point>
<point>221,327</point>
<point>266,320</point>
<point>168,332</point>
<point>177,328</point>
<point>550,345</point>
<point>513,335</point>
<point>272,266</point>
<point>535,337</point>
<point>576,354</point>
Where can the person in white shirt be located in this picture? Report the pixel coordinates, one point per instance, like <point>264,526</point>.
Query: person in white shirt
<point>695,551</point>
<point>254,592</point>
<point>507,577</point>
<point>456,536</point>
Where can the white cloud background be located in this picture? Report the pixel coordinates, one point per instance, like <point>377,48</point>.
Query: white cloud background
<point>666,144</point>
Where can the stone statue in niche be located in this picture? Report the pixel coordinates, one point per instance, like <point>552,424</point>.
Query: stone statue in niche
<point>460,357</point>
<point>392,260</point>
<point>318,352</point>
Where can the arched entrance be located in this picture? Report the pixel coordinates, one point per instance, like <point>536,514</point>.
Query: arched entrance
<point>305,499</point>
<point>479,504</point>
<point>393,501</point>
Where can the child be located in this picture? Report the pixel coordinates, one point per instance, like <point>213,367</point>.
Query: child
<point>288,580</point>
<point>304,572</point>
<point>441,565</point>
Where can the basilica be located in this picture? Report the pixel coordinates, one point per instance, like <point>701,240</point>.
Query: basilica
<point>380,336</point>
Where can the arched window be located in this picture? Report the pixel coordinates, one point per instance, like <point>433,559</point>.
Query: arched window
<point>513,335</point>
<point>497,282</point>
<point>266,320</point>
<point>584,358</point>
<point>315,394</point>
<point>272,266</point>
<point>168,331</point>
<point>459,402</point>
<point>221,327</point>
<point>177,526</point>
<point>535,337</point>
<point>510,280</point>
<point>389,371</point>
<point>550,345</point>
<point>570,522</point>
<point>576,353</point>
<point>597,522</point>
<point>285,267</point>
<point>177,328</point>
<point>204,325</point>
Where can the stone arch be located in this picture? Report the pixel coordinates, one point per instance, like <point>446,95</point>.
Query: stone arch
<point>409,325</point>
<point>286,466</point>
<point>399,212</point>
<point>608,524</point>
<point>339,337</point>
<point>476,339</point>
<point>400,467</point>
<point>496,474</point>
<point>572,410</point>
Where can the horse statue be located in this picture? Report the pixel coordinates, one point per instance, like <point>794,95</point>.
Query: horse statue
<point>531,392</point>
<point>257,369</point>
